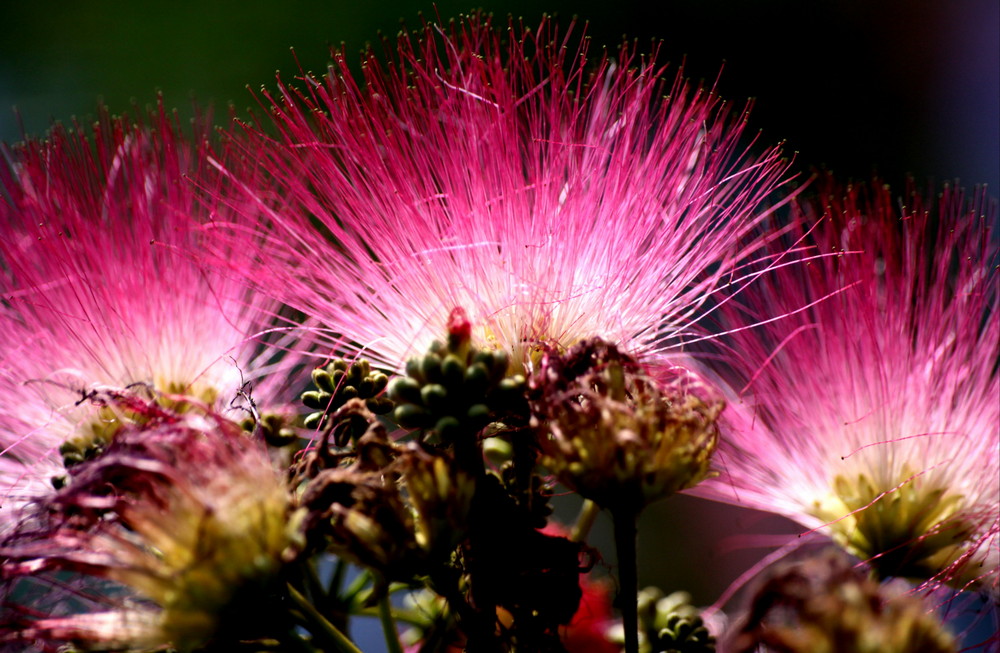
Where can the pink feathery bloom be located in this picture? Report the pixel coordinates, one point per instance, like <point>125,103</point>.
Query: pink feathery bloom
<point>99,290</point>
<point>873,415</point>
<point>553,194</point>
<point>173,538</point>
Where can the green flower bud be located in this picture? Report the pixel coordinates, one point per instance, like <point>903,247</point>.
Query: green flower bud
<point>430,367</point>
<point>453,372</point>
<point>412,416</point>
<point>405,389</point>
<point>434,397</point>
<point>316,399</point>
<point>323,380</point>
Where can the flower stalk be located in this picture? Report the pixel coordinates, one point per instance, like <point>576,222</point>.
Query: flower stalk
<point>589,511</point>
<point>321,626</point>
<point>625,519</point>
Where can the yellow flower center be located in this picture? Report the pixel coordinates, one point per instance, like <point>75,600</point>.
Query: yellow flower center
<point>914,528</point>
<point>96,433</point>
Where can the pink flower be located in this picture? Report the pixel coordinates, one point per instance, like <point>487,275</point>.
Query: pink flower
<point>873,415</point>
<point>553,194</point>
<point>99,290</point>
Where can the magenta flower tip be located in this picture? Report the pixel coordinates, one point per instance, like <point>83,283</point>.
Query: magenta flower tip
<point>102,290</point>
<point>870,412</point>
<point>552,194</point>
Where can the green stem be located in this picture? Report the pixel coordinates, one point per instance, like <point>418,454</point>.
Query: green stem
<point>337,580</point>
<point>351,593</point>
<point>312,586</point>
<point>389,625</point>
<point>408,617</point>
<point>585,521</point>
<point>325,630</point>
<point>625,520</point>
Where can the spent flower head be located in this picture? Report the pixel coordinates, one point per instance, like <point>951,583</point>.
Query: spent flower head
<point>873,414</point>
<point>616,435</point>
<point>394,509</point>
<point>174,536</point>
<point>825,605</point>
<point>554,193</point>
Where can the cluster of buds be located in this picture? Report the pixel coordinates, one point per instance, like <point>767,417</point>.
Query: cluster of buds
<point>671,624</point>
<point>429,508</point>
<point>456,389</point>
<point>615,435</point>
<point>339,382</point>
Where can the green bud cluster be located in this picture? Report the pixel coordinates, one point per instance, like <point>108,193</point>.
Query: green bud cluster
<point>671,625</point>
<point>273,428</point>
<point>78,450</point>
<point>92,442</point>
<point>339,382</point>
<point>684,635</point>
<point>455,389</point>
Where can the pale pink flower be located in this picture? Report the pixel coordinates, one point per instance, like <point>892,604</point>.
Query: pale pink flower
<point>874,415</point>
<point>99,290</point>
<point>553,194</point>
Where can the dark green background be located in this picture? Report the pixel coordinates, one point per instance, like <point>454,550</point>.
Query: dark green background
<point>901,86</point>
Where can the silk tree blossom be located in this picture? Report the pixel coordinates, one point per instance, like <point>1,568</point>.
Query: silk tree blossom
<point>552,194</point>
<point>99,291</point>
<point>873,415</point>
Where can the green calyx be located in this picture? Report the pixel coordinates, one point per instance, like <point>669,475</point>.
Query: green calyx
<point>914,531</point>
<point>338,383</point>
<point>274,428</point>
<point>455,389</point>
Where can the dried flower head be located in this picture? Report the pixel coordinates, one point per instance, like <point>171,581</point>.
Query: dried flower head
<point>100,290</point>
<point>175,537</point>
<point>617,436</point>
<point>825,605</point>
<point>872,414</point>
<point>391,508</point>
<point>553,194</point>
